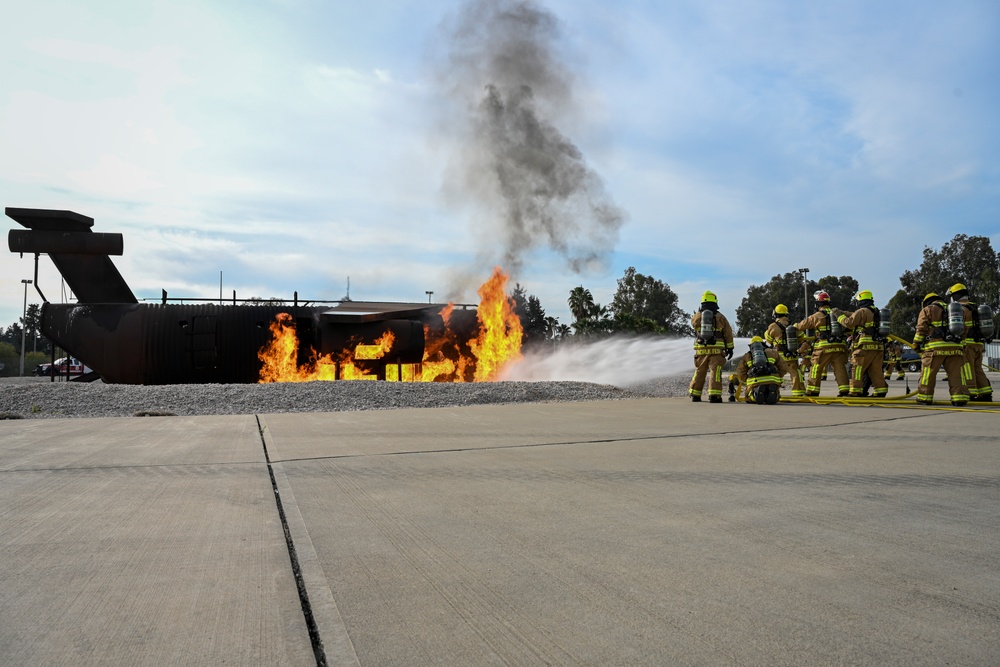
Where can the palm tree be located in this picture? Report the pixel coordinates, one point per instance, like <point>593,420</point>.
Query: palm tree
<point>551,324</point>
<point>564,331</point>
<point>580,302</point>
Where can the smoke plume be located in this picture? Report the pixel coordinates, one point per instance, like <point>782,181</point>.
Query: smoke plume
<point>507,91</point>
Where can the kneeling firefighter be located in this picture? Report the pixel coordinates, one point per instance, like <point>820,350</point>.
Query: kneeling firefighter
<point>869,328</point>
<point>712,347</point>
<point>761,370</point>
<point>783,337</point>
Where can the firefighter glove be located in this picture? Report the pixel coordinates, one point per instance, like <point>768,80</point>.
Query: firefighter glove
<point>729,353</point>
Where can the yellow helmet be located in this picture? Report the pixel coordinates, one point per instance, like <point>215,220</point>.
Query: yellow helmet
<point>756,339</point>
<point>709,297</point>
<point>957,291</point>
<point>930,298</point>
<point>864,295</point>
<point>781,309</point>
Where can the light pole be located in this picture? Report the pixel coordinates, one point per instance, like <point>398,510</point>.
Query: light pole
<point>805,292</point>
<point>24,322</point>
<point>429,294</point>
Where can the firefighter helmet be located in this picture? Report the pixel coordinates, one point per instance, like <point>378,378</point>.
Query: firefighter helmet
<point>756,339</point>
<point>709,297</point>
<point>865,295</point>
<point>957,291</point>
<point>820,296</point>
<point>781,310</point>
<point>929,299</point>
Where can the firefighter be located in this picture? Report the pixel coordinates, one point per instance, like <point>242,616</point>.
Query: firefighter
<point>776,337</point>
<point>893,359</point>
<point>866,346</point>
<point>712,347</point>
<point>829,348</point>
<point>975,378</point>
<point>940,345</point>
<point>761,370</point>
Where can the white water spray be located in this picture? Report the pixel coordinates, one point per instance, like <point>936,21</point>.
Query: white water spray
<point>618,361</point>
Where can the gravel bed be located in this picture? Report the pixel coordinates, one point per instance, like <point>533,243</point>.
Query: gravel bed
<point>35,398</point>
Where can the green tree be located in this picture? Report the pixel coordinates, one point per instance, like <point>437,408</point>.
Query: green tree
<point>753,315</point>
<point>529,310</point>
<point>32,322</point>
<point>970,260</point>
<point>580,302</point>
<point>9,359</point>
<point>641,297</point>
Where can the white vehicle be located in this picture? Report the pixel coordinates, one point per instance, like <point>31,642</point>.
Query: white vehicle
<point>69,365</point>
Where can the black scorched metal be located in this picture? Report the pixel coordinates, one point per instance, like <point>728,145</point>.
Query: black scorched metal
<point>129,342</point>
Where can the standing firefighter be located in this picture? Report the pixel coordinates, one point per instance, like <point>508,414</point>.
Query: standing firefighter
<point>783,337</point>
<point>867,345</point>
<point>893,359</point>
<point>939,340</point>
<point>979,327</point>
<point>829,348</point>
<point>761,370</point>
<point>713,345</point>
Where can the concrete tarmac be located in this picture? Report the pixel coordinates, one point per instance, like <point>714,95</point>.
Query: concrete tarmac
<point>640,532</point>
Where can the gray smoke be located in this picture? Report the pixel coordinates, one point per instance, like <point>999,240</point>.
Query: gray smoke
<point>507,89</point>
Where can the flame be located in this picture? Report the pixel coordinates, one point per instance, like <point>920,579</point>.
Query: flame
<point>500,333</point>
<point>446,357</point>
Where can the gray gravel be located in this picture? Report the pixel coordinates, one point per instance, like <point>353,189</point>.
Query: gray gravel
<point>34,398</point>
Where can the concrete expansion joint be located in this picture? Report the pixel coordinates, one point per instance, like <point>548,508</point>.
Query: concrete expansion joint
<point>314,638</point>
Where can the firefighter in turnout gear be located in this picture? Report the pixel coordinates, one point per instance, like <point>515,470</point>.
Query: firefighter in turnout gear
<point>829,348</point>
<point>761,370</point>
<point>778,336</point>
<point>712,347</point>
<point>893,359</point>
<point>975,340</point>
<point>866,345</point>
<point>939,341</point>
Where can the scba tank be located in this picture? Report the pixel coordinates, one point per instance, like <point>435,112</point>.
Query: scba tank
<point>758,357</point>
<point>791,338</point>
<point>707,331</point>
<point>956,319</point>
<point>884,323</point>
<point>986,328</point>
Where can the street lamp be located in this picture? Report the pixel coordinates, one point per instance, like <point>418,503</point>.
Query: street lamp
<point>429,294</point>
<point>24,322</point>
<point>805,291</point>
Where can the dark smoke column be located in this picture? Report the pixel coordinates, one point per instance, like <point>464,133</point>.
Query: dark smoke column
<point>507,86</point>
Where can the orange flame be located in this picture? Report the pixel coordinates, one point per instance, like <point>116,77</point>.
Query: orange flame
<point>500,333</point>
<point>497,343</point>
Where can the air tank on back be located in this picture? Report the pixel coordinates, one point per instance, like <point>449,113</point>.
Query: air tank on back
<point>956,319</point>
<point>757,354</point>
<point>884,323</point>
<point>791,339</point>
<point>986,327</point>
<point>707,331</point>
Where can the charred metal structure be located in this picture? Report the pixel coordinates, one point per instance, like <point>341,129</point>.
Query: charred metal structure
<point>129,342</point>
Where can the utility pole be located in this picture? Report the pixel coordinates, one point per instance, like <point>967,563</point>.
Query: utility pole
<point>24,322</point>
<point>805,292</point>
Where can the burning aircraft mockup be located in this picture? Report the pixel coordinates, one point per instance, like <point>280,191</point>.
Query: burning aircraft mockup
<point>129,342</point>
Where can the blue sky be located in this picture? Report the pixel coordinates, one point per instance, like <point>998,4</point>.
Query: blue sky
<point>294,144</point>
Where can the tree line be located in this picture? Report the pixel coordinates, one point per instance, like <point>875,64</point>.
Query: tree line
<point>646,305</point>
